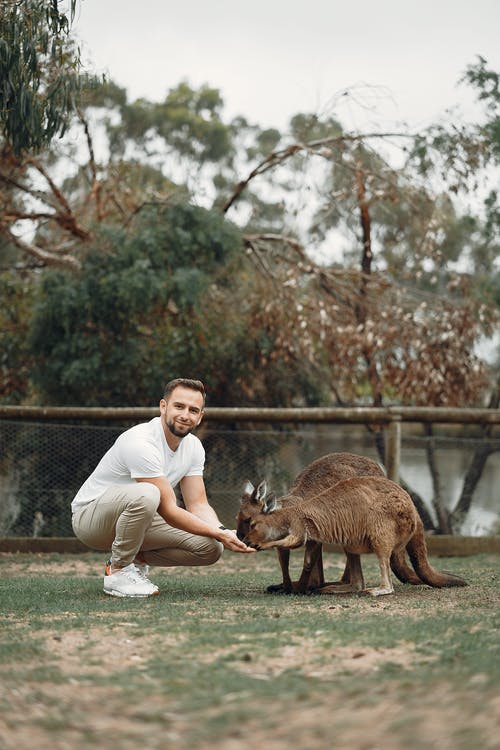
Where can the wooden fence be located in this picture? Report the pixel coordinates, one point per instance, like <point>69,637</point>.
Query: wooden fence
<point>389,418</point>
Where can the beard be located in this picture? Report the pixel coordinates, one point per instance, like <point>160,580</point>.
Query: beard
<point>178,431</point>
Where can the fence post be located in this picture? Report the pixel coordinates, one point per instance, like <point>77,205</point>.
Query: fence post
<point>393,448</point>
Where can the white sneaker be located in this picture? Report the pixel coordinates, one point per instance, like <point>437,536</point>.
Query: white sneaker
<point>128,582</point>
<point>143,570</point>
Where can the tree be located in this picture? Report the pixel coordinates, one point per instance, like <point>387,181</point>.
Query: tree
<point>112,333</point>
<point>39,72</point>
<point>393,339</point>
<point>152,152</point>
<point>467,156</point>
<point>16,358</point>
<point>395,317</point>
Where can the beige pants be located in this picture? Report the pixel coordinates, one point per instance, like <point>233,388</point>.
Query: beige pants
<point>124,519</point>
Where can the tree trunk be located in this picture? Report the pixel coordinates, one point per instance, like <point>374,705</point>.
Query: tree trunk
<point>476,466</point>
<point>471,480</point>
<point>366,268</point>
<point>360,311</point>
<point>442,514</point>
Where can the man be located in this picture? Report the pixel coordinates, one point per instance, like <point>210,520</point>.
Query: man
<point>128,503</point>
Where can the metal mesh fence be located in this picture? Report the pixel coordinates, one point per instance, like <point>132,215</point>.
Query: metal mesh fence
<point>42,465</point>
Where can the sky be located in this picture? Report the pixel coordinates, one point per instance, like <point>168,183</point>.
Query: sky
<point>400,60</point>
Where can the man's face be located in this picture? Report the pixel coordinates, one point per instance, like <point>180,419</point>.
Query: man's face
<point>183,411</point>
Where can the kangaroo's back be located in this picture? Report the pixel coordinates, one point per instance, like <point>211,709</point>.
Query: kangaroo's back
<point>360,508</point>
<point>330,469</point>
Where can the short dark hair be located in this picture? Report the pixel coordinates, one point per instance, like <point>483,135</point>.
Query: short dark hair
<point>195,385</point>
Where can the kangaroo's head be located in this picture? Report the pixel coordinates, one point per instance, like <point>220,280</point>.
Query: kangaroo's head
<point>268,526</point>
<point>251,504</point>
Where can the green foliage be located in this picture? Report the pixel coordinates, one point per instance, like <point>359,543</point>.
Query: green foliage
<point>38,70</point>
<point>309,127</point>
<point>171,294</point>
<point>266,141</point>
<point>487,84</point>
<point>16,298</point>
<point>107,94</point>
<point>114,333</point>
<point>465,156</point>
<point>188,120</point>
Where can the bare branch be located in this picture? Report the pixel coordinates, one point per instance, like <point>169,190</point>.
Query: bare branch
<point>316,147</point>
<point>65,219</point>
<point>269,237</point>
<point>95,192</point>
<point>37,194</point>
<point>90,144</point>
<point>271,161</point>
<point>55,190</point>
<point>44,256</point>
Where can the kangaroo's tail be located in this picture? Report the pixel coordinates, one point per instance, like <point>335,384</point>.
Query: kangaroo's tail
<point>402,570</point>
<point>417,549</point>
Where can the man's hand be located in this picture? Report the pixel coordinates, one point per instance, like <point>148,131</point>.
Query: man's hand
<point>230,541</point>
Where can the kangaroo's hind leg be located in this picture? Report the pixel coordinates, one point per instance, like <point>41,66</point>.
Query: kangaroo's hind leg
<point>386,586</point>
<point>352,580</point>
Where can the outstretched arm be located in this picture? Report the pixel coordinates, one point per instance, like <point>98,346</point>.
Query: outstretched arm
<point>198,517</point>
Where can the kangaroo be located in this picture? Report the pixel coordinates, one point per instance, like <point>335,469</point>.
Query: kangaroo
<point>363,514</point>
<point>316,477</point>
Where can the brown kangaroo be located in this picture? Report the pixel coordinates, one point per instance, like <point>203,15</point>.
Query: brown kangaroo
<point>319,475</point>
<point>363,514</point>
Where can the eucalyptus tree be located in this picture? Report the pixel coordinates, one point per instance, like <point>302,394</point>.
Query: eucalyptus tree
<point>134,314</point>
<point>393,316</point>
<point>120,156</point>
<point>401,316</point>
<point>39,70</point>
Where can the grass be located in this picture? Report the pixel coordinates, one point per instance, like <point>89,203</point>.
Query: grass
<point>215,660</point>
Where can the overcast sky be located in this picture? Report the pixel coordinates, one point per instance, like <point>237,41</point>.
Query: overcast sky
<point>273,58</point>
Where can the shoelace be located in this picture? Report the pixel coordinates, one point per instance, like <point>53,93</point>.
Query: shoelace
<point>133,574</point>
<point>142,570</point>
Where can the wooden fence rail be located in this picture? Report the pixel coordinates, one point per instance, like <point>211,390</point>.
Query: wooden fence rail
<point>345,415</point>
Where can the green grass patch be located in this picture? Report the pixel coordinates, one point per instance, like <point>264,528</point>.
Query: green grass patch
<point>216,659</point>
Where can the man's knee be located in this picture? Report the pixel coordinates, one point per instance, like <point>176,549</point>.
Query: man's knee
<point>210,551</point>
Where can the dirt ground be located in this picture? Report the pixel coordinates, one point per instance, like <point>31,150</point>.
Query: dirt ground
<point>69,713</point>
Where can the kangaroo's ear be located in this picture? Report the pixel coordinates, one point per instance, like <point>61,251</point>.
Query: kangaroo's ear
<point>271,503</point>
<point>260,493</point>
<point>248,489</point>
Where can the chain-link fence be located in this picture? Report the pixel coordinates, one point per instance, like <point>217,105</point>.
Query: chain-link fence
<point>42,465</point>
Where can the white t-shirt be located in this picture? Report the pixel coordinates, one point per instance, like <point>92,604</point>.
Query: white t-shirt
<point>142,451</point>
